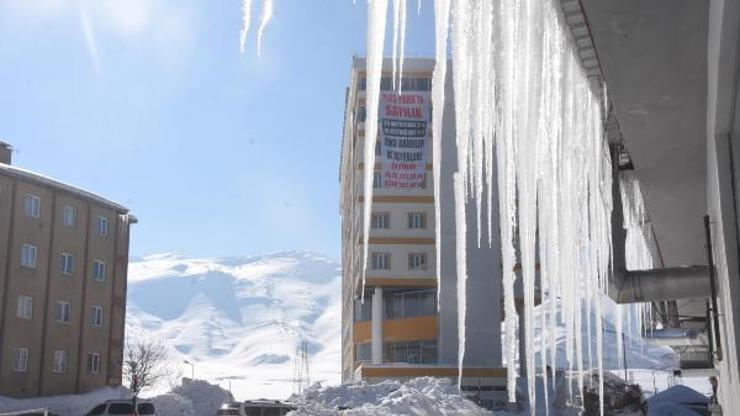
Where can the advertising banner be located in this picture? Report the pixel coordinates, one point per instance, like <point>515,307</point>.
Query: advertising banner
<point>403,137</point>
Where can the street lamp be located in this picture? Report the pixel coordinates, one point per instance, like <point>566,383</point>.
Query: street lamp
<point>192,368</point>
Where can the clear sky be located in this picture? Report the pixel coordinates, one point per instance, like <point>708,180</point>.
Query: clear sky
<point>149,103</point>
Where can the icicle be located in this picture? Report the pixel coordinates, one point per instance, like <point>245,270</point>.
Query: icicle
<point>376,16</point>
<point>439,76</point>
<point>246,19</point>
<point>264,20</point>
<point>396,26</point>
<point>462,273</point>
<point>401,58</point>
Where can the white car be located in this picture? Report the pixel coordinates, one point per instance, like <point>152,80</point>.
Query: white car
<point>124,407</point>
<point>256,408</point>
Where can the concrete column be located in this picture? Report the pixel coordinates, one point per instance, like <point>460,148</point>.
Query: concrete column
<point>376,326</point>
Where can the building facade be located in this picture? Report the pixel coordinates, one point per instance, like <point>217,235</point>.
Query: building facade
<point>393,324</point>
<point>63,267</point>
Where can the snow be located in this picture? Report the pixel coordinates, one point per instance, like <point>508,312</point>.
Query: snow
<point>204,397</point>
<point>73,405</point>
<point>171,404</point>
<point>421,396</point>
<point>239,319</point>
<point>38,178</point>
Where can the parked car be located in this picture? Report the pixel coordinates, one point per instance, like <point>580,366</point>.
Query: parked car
<point>124,407</point>
<point>256,408</point>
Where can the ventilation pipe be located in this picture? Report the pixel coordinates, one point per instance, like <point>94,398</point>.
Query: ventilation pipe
<point>631,286</point>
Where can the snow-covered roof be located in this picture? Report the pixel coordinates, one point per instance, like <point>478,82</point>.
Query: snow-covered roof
<point>39,179</point>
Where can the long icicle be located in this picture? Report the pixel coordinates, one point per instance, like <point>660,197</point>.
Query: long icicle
<point>439,77</point>
<point>376,17</point>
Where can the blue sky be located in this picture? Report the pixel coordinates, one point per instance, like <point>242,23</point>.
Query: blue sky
<point>149,103</point>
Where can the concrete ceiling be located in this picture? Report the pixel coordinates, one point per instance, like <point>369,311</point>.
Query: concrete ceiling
<point>653,55</point>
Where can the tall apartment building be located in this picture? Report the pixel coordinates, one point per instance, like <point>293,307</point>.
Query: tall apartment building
<point>63,266</point>
<point>395,330</point>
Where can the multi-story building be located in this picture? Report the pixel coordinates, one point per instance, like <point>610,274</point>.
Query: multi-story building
<point>397,328</point>
<point>63,266</point>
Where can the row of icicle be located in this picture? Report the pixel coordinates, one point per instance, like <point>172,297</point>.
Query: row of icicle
<point>267,10</point>
<point>529,129</point>
<point>518,89</point>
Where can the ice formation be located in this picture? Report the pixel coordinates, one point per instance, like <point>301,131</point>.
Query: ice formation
<point>524,107</point>
<point>246,20</point>
<point>264,20</point>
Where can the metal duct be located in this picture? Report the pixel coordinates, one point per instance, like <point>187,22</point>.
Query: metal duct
<point>631,286</point>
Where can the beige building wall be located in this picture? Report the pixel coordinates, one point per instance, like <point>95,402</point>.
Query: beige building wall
<point>45,335</point>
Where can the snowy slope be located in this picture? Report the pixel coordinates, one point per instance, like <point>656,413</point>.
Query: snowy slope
<point>239,319</point>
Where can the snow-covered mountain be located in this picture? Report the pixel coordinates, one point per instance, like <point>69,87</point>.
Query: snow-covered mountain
<point>239,319</point>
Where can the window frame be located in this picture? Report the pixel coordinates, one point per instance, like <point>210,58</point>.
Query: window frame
<point>69,216</point>
<point>103,225</point>
<point>32,206</point>
<point>67,259</point>
<point>386,222</point>
<point>99,270</point>
<point>417,265</point>
<point>60,365</point>
<point>24,307</point>
<point>421,224</point>
<point>93,362</point>
<point>21,355</point>
<point>60,312</point>
<point>28,260</point>
<point>376,265</point>
<point>96,311</point>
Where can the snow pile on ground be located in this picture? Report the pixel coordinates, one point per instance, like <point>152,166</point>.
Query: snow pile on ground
<point>68,405</point>
<point>239,319</point>
<point>420,396</point>
<point>192,398</point>
<point>172,404</point>
<point>677,401</point>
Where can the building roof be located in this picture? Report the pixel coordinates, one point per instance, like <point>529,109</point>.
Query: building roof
<point>39,179</point>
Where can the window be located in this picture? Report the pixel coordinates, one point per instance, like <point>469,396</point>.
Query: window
<point>363,352</point>
<point>364,310</point>
<point>96,316</point>
<point>386,84</point>
<point>103,226</point>
<point>377,180</point>
<point>25,307</point>
<point>363,83</point>
<point>20,360</point>
<point>93,363</point>
<point>412,352</point>
<point>145,409</point>
<point>381,220</point>
<point>98,410</point>
<point>64,310</point>
<point>121,409</point>
<point>60,362</point>
<point>417,220</point>
<point>381,261</point>
<point>28,256</point>
<point>417,261</point>
<point>378,149</point>
<point>69,216</point>
<point>68,263</point>
<point>361,114</point>
<point>410,303</point>
<point>32,206</point>
<point>99,270</point>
